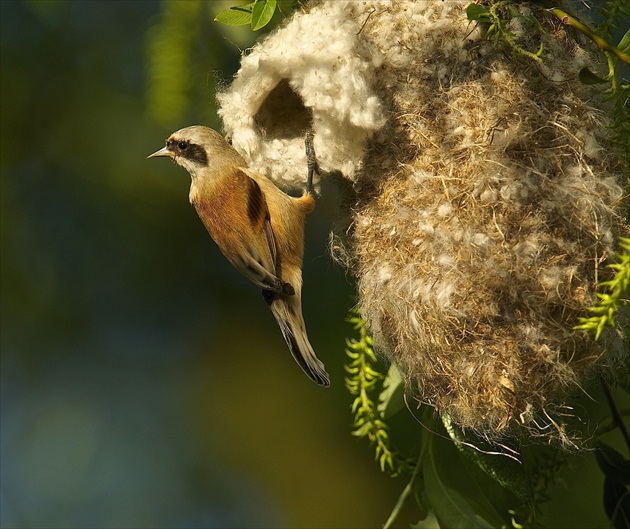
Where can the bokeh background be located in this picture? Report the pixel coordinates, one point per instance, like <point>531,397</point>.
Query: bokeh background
<point>144,382</point>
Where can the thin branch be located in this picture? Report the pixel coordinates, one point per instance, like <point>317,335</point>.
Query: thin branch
<point>404,495</point>
<point>601,43</point>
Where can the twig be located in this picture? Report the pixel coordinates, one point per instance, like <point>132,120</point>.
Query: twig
<point>601,43</point>
<point>404,495</point>
<point>366,19</point>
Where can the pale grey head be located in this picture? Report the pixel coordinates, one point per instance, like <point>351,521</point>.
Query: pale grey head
<point>197,148</point>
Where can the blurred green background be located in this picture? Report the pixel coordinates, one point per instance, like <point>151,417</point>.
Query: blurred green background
<point>144,381</point>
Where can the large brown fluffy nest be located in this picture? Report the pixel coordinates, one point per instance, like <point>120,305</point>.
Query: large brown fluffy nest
<point>487,193</point>
<point>480,248</point>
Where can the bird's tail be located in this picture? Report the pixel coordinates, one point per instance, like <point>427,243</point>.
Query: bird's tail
<point>288,313</point>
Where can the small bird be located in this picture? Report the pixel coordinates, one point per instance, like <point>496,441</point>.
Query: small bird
<point>259,228</point>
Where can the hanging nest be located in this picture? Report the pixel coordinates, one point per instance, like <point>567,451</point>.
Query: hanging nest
<point>487,195</point>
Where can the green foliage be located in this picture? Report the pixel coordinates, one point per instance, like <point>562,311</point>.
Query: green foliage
<point>461,494</point>
<point>498,17</point>
<point>463,486</point>
<point>613,12</point>
<point>507,471</point>
<point>616,471</point>
<point>236,15</point>
<point>392,398</point>
<point>619,93</point>
<point>462,481</point>
<point>541,464</point>
<point>362,381</point>
<point>257,14</point>
<point>618,293</point>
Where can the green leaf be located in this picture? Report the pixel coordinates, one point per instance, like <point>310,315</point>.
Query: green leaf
<point>391,400</point>
<point>478,13</point>
<point>612,463</point>
<point>262,12</point>
<point>450,506</point>
<point>617,503</point>
<point>459,499</point>
<point>505,471</point>
<point>236,16</point>
<point>624,43</point>
<point>418,494</point>
<point>588,77</point>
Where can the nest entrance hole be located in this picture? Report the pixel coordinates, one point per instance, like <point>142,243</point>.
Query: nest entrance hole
<point>282,115</point>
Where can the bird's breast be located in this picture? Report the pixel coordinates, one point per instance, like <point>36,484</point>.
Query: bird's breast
<point>223,212</point>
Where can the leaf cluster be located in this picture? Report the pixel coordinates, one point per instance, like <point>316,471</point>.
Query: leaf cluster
<point>460,480</point>
<point>256,14</point>
<point>362,381</point>
<point>616,471</point>
<point>613,12</point>
<point>497,17</point>
<point>617,296</point>
<point>453,479</point>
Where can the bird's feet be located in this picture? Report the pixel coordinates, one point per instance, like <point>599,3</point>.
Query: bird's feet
<point>311,161</point>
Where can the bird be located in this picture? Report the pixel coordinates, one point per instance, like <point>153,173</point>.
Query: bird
<point>257,227</point>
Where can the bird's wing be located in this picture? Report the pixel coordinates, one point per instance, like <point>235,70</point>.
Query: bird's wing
<point>237,217</point>
<point>260,261</point>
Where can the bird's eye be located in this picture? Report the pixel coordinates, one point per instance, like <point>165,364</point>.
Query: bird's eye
<point>183,145</point>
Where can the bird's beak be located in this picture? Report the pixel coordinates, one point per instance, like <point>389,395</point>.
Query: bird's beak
<point>162,152</point>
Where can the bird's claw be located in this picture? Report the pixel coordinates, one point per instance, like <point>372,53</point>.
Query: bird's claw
<point>311,161</point>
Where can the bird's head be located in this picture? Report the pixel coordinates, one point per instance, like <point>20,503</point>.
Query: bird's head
<point>196,148</point>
